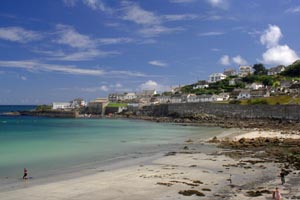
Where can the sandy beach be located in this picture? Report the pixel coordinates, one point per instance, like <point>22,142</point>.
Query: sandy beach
<point>188,173</point>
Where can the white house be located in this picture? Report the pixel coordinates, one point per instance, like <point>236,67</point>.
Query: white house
<point>230,72</point>
<point>163,99</point>
<point>244,94</point>
<point>130,96</point>
<point>262,92</point>
<point>245,71</point>
<point>78,102</point>
<point>201,85</point>
<point>61,105</point>
<point>224,96</point>
<point>216,77</point>
<point>255,86</point>
<point>176,99</point>
<point>276,70</point>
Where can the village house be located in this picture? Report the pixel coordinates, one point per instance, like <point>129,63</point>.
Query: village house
<point>193,98</point>
<point>61,106</point>
<point>163,99</point>
<point>201,85</point>
<point>284,86</point>
<point>78,103</point>
<point>245,71</point>
<point>127,96</point>
<point>255,86</point>
<point>176,99</point>
<point>176,89</point>
<point>276,70</point>
<point>224,96</point>
<point>207,98</point>
<point>263,92</point>
<point>294,88</point>
<point>216,77</point>
<point>200,98</point>
<point>115,97</point>
<point>244,94</point>
<point>230,72</point>
<point>97,106</point>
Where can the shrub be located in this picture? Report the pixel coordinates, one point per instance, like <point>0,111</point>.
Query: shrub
<point>257,101</point>
<point>235,102</point>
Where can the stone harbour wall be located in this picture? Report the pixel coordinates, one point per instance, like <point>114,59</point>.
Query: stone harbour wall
<point>285,112</point>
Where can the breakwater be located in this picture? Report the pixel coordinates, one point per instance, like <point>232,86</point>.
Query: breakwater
<point>51,113</point>
<point>281,112</point>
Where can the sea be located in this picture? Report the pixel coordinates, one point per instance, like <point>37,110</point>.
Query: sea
<point>50,147</point>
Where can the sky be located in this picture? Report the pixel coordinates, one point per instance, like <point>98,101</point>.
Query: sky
<point>58,50</point>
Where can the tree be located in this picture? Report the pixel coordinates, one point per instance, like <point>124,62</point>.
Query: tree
<point>293,70</point>
<point>259,69</point>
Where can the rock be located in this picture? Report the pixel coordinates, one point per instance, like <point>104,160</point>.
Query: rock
<point>191,192</point>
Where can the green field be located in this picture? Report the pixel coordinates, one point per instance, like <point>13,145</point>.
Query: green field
<point>117,105</point>
<point>273,100</point>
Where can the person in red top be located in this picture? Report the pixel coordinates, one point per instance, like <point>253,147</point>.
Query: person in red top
<point>25,176</point>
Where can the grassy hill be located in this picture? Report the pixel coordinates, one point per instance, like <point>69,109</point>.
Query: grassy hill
<point>273,100</point>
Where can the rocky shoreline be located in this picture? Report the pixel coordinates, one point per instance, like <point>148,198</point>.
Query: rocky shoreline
<point>286,126</point>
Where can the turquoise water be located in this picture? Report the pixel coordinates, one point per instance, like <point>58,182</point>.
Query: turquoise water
<point>47,145</point>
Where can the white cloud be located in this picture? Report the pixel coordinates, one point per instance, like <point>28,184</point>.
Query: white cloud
<point>223,4</point>
<point>106,41</point>
<point>85,55</point>
<point>152,23</point>
<point>211,34</point>
<point>179,17</point>
<point>293,10</point>
<point>32,65</point>
<point>280,55</point>
<point>135,13</point>
<point>157,63</point>
<point>225,60</point>
<point>118,85</point>
<point>97,5</point>
<point>35,66</point>
<point>76,56</point>
<point>271,36</point>
<point>239,60</point>
<point>122,73</point>
<point>24,78</point>
<point>182,1</point>
<point>18,34</point>
<point>276,54</point>
<point>152,85</point>
<point>157,30</point>
<point>147,41</point>
<point>104,88</point>
<point>149,85</point>
<point>87,46</point>
<point>69,36</point>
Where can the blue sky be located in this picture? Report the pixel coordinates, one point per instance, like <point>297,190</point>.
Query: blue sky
<point>57,50</point>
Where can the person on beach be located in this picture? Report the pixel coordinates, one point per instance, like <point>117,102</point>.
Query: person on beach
<point>276,194</point>
<point>282,176</point>
<point>25,176</point>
